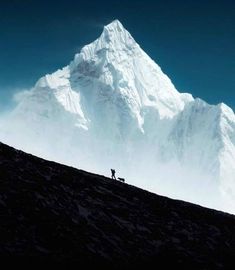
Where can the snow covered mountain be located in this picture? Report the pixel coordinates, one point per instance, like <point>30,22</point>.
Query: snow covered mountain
<point>112,106</point>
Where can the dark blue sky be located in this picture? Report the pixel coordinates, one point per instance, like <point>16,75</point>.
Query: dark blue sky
<point>193,41</point>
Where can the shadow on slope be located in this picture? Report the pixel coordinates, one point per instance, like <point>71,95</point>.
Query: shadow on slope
<point>55,215</point>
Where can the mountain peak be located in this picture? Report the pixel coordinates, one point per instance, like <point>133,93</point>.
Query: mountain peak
<point>115,25</point>
<point>113,101</point>
<point>114,38</point>
<point>115,34</point>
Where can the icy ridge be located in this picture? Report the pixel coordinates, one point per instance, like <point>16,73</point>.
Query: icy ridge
<point>113,106</point>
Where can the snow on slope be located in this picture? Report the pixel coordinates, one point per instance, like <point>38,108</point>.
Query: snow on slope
<point>112,106</point>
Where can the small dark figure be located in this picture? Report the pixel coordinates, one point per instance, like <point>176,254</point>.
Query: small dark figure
<point>113,174</point>
<point>121,179</point>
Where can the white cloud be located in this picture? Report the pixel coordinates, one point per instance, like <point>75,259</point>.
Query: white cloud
<point>19,95</point>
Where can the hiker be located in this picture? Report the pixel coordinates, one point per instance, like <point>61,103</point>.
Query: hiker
<point>113,174</point>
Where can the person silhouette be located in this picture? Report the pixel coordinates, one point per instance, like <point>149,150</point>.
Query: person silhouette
<point>113,174</point>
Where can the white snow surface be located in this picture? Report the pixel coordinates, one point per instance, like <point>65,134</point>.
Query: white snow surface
<point>112,106</point>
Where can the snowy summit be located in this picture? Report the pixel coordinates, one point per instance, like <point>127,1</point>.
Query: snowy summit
<point>112,106</point>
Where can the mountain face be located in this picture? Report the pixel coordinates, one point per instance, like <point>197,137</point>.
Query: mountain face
<point>58,216</point>
<point>112,106</point>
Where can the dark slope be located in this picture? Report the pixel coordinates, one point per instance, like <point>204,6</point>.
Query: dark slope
<point>51,213</point>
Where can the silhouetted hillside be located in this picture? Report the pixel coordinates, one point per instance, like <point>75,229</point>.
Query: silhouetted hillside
<point>51,214</point>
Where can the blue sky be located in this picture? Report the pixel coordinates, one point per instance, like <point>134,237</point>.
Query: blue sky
<point>193,41</point>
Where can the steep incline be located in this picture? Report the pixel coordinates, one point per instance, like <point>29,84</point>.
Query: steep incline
<point>113,106</point>
<point>59,216</point>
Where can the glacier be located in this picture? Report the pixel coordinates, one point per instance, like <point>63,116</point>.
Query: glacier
<point>113,107</point>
